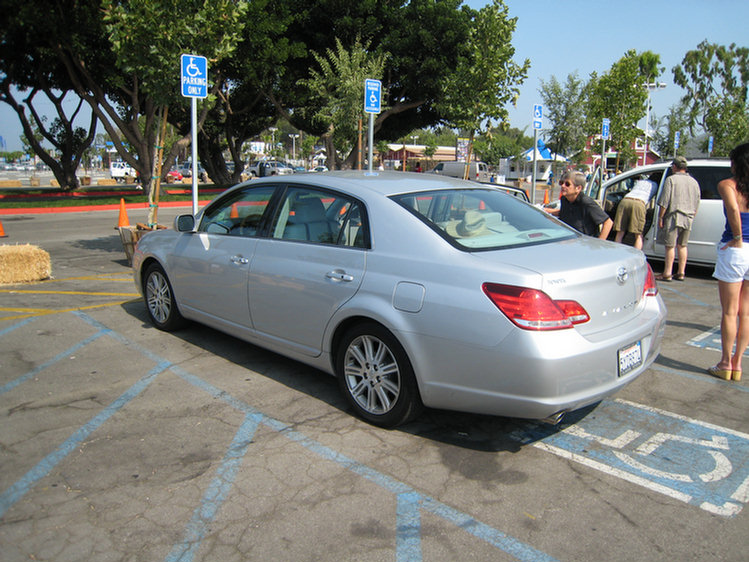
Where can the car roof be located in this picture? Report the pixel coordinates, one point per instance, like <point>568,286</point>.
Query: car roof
<point>384,183</point>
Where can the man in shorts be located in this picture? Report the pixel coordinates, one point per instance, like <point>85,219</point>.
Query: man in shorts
<point>678,203</point>
<point>630,214</point>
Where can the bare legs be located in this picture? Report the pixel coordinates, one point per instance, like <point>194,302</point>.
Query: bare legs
<point>668,261</point>
<point>620,236</point>
<point>734,324</point>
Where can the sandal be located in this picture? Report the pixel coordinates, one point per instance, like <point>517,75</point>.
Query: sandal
<point>662,277</point>
<point>724,374</point>
<point>736,375</point>
<point>679,277</point>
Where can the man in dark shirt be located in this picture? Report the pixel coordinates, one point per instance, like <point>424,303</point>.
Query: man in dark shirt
<point>580,211</point>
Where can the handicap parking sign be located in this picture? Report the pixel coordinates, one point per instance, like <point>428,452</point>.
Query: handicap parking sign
<point>194,78</point>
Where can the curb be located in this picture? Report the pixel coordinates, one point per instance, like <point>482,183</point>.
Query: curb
<point>89,208</point>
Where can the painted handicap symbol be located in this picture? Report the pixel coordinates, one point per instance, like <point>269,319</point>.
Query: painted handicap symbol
<point>689,460</point>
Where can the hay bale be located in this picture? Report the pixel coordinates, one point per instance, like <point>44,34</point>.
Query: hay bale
<point>23,263</point>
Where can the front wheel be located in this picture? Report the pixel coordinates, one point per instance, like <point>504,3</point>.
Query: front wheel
<point>376,377</point>
<point>159,299</point>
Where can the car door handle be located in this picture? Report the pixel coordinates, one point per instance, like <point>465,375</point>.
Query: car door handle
<point>239,260</point>
<point>339,276</point>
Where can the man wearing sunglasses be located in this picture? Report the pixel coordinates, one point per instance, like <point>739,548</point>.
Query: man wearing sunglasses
<point>580,211</point>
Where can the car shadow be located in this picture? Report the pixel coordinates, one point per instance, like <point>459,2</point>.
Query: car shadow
<point>476,432</point>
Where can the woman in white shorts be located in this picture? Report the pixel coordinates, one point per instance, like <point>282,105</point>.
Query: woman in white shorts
<point>732,268</point>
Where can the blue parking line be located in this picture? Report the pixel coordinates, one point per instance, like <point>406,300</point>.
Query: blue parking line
<point>413,499</point>
<point>62,355</point>
<point>408,528</point>
<point>17,490</point>
<point>216,493</point>
<point>15,326</point>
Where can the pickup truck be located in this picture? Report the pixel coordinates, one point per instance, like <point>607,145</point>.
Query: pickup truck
<point>120,170</point>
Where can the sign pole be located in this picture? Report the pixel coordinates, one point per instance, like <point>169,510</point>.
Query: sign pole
<point>372,105</point>
<point>370,141</point>
<point>533,173</point>
<point>194,111</point>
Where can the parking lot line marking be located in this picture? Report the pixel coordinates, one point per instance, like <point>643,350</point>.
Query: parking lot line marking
<point>15,326</point>
<point>466,522</point>
<point>408,528</point>
<point>46,312</point>
<point>216,493</point>
<point>23,378</point>
<point>689,460</point>
<point>21,487</point>
<point>85,293</point>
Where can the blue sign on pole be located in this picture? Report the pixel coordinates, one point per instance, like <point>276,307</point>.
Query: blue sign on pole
<point>677,135</point>
<point>372,95</point>
<point>710,146</point>
<point>605,125</point>
<point>194,76</point>
<point>538,115</point>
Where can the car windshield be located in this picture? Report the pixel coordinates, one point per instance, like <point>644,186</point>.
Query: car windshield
<point>483,219</point>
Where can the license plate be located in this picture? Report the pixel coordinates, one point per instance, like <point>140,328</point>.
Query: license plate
<point>630,358</point>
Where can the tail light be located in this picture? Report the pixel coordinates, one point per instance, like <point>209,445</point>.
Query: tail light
<point>532,309</point>
<point>651,287</point>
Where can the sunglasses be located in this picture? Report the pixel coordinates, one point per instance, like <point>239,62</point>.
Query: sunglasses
<point>566,184</point>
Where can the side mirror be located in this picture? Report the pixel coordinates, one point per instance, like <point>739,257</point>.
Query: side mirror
<point>184,223</point>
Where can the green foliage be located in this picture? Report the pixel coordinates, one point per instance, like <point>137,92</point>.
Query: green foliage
<point>620,96</point>
<point>497,144</point>
<point>338,86</point>
<point>564,110</point>
<point>148,36</point>
<point>716,80</point>
<point>485,78</point>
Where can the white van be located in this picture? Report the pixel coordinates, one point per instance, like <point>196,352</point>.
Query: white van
<point>709,222</point>
<point>120,171</point>
<point>477,171</point>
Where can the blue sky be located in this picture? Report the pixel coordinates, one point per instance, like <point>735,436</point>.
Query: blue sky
<point>564,36</point>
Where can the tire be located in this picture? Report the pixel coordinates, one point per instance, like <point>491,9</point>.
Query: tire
<point>159,298</point>
<point>376,377</point>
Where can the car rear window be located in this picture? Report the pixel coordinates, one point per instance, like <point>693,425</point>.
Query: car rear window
<point>483,219</point>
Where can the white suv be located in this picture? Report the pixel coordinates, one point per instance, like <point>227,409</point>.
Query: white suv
<point>709,222</point>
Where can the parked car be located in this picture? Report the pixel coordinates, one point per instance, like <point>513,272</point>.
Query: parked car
<point>319,169</point>
<point>272,168</point>
<point>185,168</point>
<point>492,306</point>
<point>709,222</point>
<point>120,171</point>
<point>477,171</point>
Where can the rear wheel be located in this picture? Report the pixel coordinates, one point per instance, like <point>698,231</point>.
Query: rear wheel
<point>376,377</point>
<point>159,299</point>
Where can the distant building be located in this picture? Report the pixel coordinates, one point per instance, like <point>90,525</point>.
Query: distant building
<point>514,169</point>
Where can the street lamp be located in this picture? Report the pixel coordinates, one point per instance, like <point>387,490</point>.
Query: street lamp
<point>293,138</point>
<point>649,86</point>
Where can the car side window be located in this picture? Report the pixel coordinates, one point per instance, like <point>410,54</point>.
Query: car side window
<point>321,217</point>
<point>240,214</point>
<point>708,177</point>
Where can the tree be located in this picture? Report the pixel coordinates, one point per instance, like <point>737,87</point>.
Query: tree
<point>30,73</point>
<point>620,95</point>
<point>338,85</point>
<point>486,78</point>
<point>564,108</point>
<point>716,80</point>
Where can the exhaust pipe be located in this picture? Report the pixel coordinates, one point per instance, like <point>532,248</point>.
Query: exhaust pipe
<point>554,419</point>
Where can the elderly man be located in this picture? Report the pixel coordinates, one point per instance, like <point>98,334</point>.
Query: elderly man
<point>678,203</point>
<point>580,211</point>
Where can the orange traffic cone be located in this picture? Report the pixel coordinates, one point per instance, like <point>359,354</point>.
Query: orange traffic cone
<point>2,231</point>
<point>546,196</point>
<point>234,213</point>
<point>124,221</point>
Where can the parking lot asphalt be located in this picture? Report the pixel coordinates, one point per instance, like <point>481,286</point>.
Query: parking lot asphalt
<point>120,442</point>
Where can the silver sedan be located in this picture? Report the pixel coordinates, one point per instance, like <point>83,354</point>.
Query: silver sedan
<point>413,290</point>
